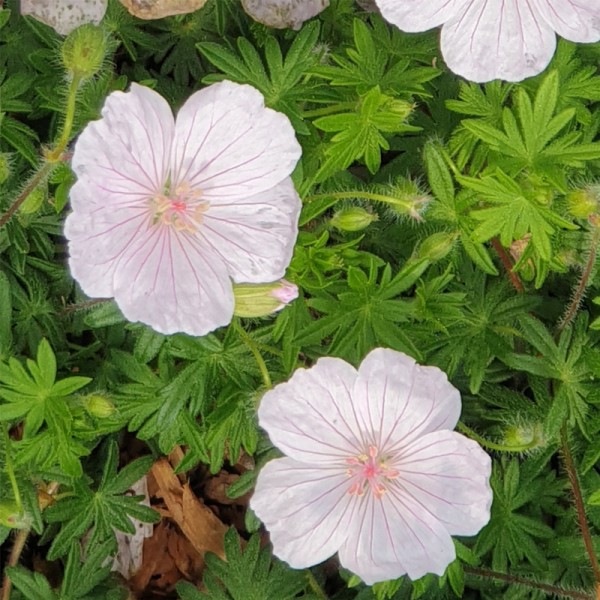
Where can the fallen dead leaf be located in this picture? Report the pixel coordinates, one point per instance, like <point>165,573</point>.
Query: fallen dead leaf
<point>65,15</point>
<point>197,522</point>
<point>157,9</point>
<point>284,13</point>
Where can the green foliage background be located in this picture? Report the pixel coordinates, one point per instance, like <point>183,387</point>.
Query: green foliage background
<point>483,214</point>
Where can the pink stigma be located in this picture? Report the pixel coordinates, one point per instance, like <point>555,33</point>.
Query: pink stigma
<point>182,208</point>
<point>369,471</point>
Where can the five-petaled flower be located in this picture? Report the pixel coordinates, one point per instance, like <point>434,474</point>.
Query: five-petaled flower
<point>373,469</point>
<point>498,39</point>
<point>166,213</point>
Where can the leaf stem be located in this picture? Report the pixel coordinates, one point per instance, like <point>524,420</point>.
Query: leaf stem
<point>583,282</point>
<point>508,265</point>
<point>315,587</point>
<point>530,583</point>
<point>255,351</point>
<point>579,505</point>
<point>41,174</point>
<point>491,445</point>
<point>55,154</point>
<point>10,471</point>
<point>13,559</point>
<point>406,205</point>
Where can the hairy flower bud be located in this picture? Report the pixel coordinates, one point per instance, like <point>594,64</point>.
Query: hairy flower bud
<point>34,201</point>
<point>262,299</point>
<point>11,516</point>
<point>99,406</point>
<point>582,203</point>
<point>83,51</point>
<point>529,436</point>
<point>437,245</point>
<point>354,218</point>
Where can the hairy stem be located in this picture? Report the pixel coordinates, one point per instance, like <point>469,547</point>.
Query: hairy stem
<point>583,282</point>
<point>579,505</point>
<point>508,265</point>
<point>552,590</point>
<point>255,351</point>
<point>491,445</point>
<point>405,205</point>
<point>65,136</point>
<point>41,174</point>
<point>13,559</point>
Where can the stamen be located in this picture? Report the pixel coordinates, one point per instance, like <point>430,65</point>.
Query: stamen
<point>182,208</point>
<point>369,471</point>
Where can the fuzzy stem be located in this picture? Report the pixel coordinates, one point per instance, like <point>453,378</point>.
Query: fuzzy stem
<point>255,351</point>
<point>519,580</point>
<point>508,265</point>
<point>583,283</point>
<point>55,154</point>
<point>315,587</point>
<point>579,505</point>
<point>405,205</point>
<point>491,445</point>
<point>328,110</point>
<point>10,471</point>
<point>42,173</point>
<point>15,554</point>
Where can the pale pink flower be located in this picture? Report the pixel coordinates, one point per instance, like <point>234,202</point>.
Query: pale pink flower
<point>498,39</point>
<point>166,213</point>
<point>373,469</point>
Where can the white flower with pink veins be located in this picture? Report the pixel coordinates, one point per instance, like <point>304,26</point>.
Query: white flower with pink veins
<point>166,213</point>
<point>373,469</point>
<point>498,39</point>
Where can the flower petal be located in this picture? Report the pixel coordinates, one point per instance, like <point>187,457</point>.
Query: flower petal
<point>129,147</point>
<point>230,145</point>
<point>169,281</point>
<point>392,536</point>
<point>307,511</point>
<point>578,21</point>
<point>255,237</point>
<point>497,40</point>
<point>448,475</point>
<point>416,15</point>
<point>398,400</point>
<point>311,417</point>
<point>98,236</point>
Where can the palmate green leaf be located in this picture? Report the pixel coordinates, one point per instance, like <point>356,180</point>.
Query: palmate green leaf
<point>370,63</point>
<point>365,314</point>
<point>484,331</point>
<point>359,134</point>
<point>102,510</point>
<point>33,586</point>
<point>251,574</point>
<point>513,213</point>
<point>528,138</point>
<point>280,84</point>
<point>511,536</point>
<point>570,363</point>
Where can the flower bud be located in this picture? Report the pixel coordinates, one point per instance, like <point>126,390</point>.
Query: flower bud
<point>99,406</point>
<point>528,436</point>
<point>582,203</point>
<point>10,516</point>
<point>406,199</point>
<point>262,299</point>
<point>83,51</point>
<point>437,245</point>
<point>354,218</point>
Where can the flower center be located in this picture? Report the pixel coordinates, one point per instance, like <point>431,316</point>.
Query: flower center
<point>369,471</point>
<point>181,208</point>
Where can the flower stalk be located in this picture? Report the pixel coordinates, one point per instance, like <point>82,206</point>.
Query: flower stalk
<point>260,361</point>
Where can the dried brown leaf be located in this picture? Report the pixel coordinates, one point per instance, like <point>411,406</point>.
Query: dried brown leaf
<point>157,9</point>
